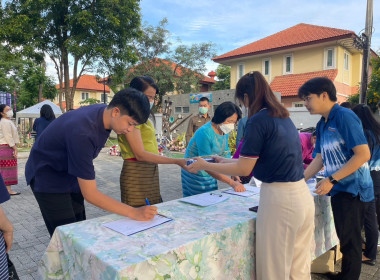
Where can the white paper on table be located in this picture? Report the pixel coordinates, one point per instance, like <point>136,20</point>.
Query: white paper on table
<point>245,193</point>
<point>205,199</point>
<point>253,189</point>
<point>254,182</point>
<point>129,227</point>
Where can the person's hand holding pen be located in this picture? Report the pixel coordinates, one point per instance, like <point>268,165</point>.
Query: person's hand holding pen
<point>144,213</point>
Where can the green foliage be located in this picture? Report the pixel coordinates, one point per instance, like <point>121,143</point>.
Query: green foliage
<point>223,73</point>
<point>23,76</point>
<point>373,91</point>
<point>89,101</point>
<point>90,33</point>
<point>189,61</point>
<point>354,99</point>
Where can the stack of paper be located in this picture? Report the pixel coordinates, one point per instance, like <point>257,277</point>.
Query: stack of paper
<point>250,191</point>
<point>128,226</point>
<point>205,199</point>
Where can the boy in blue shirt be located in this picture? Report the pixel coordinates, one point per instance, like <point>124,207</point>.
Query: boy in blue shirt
<point>60,167</point>
<point>342,149</point>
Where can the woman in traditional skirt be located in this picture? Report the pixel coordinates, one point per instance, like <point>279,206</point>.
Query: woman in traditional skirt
<point>8,149</point>
<point>139,176</point>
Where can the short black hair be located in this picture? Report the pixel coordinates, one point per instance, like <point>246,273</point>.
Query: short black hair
<point>133,103</point>
<point>318,86</point>
<point>224,111</point>
<point>204,98</point>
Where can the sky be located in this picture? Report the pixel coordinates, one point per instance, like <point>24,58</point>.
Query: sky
<point>233,24</point>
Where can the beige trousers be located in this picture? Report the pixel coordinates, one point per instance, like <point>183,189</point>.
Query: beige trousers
<point>284,231</point>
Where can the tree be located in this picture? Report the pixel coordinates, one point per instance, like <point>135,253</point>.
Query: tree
<point>89,101</point>
<point>25,78</point>
<point>223,73</point>
<point>373,92</point>
<point>181,68</point>
<point>33,79</point>
<point>90,33</point>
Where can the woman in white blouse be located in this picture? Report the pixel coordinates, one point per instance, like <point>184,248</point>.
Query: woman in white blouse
<point>8,149</point>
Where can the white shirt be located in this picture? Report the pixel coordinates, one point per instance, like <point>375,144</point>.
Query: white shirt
<point>8,133</point>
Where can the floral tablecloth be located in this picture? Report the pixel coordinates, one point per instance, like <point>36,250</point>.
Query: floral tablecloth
<point>215,242</point>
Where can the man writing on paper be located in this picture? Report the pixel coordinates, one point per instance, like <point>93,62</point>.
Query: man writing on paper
<point>60,167</point>
<point>342,149</point>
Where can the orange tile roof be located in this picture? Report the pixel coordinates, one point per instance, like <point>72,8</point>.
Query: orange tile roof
<point>288,85</point>
<point>88,82</point>
<point>299,35</point>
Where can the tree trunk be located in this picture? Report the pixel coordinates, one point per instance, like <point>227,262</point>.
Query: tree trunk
<point>66,76</point>
<point>41,86</point>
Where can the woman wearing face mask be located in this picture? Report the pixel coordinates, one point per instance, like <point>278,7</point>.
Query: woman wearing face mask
<point>8,149</point>
<point>211,139</point>
<point>139,149</point>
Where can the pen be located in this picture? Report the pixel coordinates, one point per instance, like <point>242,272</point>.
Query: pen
<point>147,201</point>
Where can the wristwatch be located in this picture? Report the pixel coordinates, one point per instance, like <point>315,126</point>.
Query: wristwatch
<point>332,180</point>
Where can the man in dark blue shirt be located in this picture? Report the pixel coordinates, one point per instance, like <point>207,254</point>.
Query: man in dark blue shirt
<point>342,149</point>
<point>60,167</point>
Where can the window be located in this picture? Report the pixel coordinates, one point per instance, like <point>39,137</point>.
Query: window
<point>84,95</point>
<point>102,98</point>
<point>288,64</point>
<point>266,67</point>
<point>178,110</point>
<point>346,61</point>
<point>185,110</point>
<point>298,104</point>
<point>329,58</point>
<point>240,70</point>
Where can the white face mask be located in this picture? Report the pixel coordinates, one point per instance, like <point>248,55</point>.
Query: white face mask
<point>10,114</point>
<point>227,127</point>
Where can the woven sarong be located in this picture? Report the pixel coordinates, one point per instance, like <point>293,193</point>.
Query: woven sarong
<point>139,180</point>
<point>8,165</point>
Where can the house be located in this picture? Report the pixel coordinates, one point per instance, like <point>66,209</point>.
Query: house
<point>88,87</point>
<point>290,57</point>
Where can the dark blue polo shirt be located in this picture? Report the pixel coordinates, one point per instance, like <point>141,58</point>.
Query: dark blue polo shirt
<point>66,151</point>
<point>276,145</point>
<point>336,138</point>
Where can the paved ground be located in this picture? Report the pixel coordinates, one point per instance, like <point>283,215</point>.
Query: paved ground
<point>31,237</point>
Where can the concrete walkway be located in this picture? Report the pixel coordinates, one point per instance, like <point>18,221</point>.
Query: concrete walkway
<point>31,237</point>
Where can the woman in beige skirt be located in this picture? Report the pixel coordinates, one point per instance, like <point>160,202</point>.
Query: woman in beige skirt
<point>272,149</point>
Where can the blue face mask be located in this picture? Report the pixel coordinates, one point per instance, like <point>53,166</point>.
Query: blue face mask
<point>203,110</point>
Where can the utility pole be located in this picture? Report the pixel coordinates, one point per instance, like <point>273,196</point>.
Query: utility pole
<point>366,37</point>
